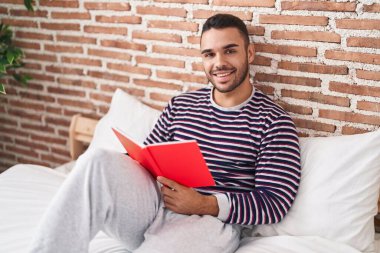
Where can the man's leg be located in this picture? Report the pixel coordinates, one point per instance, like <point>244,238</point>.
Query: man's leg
<point>172,233</point>
<point>105,191</point>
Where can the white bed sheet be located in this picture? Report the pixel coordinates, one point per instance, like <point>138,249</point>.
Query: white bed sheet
<point>25,191</point>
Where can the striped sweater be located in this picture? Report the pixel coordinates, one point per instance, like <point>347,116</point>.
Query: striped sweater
<point>252,151</point>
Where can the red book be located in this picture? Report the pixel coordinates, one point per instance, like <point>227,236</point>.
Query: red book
<point>180,161</point>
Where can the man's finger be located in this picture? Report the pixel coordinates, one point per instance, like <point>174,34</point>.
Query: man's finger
<point>167,182</point>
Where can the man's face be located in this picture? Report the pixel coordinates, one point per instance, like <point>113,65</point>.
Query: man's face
<point>225,58</point>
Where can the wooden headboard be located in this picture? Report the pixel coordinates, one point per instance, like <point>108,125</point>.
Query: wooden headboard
<point>81,131</point>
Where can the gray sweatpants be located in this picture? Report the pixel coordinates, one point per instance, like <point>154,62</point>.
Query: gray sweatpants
<point>109,191</point>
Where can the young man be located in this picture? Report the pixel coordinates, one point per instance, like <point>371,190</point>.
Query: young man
<point>249,143</point>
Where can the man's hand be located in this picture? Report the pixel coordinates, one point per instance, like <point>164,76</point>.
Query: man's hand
<point>185,200</point>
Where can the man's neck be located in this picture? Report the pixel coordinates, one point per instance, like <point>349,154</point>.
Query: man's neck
<point>235,97</point>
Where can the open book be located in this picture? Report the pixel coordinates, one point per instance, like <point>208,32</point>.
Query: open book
<point>180,161</point>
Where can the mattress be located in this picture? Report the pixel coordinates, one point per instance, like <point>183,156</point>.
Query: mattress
<point>25,191</point>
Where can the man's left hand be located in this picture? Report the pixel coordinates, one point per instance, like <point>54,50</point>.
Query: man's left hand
<point>184,200</point>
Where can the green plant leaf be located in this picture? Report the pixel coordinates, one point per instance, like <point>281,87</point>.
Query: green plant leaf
<point>11,56</point>
<point>2,68</point>
<point>2,89</point>
<point>28,5</point>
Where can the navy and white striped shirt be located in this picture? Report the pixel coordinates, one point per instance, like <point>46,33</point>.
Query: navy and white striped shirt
<point>252,151</point>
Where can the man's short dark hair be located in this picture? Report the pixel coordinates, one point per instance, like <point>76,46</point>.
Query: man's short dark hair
<point>220,21</point>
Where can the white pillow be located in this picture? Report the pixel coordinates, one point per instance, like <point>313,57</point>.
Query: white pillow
<point>130,115</point>
<point>338,194</point>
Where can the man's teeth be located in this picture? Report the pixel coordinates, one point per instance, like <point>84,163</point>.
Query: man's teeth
<point>222,75</point>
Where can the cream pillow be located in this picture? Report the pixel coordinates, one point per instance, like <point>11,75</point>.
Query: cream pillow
<point>128,114</point>
<point>338,194</point>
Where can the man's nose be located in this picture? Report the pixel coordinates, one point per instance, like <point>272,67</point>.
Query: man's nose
<point>220,61</point>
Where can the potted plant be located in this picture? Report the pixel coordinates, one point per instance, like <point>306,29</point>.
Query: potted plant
<point>10,55</point>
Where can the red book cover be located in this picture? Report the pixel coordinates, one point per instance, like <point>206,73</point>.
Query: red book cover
<point>181,161</point>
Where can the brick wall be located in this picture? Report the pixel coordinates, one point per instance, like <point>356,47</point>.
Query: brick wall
<point>320,60</point>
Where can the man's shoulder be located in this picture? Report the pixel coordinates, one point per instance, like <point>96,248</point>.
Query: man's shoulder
<point>194,96</point>
<point>268,106</point>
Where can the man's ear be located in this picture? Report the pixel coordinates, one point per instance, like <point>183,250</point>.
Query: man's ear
<point>251,53</point>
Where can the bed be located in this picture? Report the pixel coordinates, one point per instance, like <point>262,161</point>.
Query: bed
<point>333,212</point>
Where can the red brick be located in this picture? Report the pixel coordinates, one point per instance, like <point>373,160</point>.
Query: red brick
<point>26,105</point>
<point>194,40</point>
<point>183,1</point>
<point>348,130</point>
<point>262,60</point>
<point>71,15</point>
<point>107,6</point>
<point>363,42</point>
<point>204,14</point>
<point>316,97</point>
<point>26,13</point>
<point>269,90</point>
<point>12,2</point>
<point>359,24</point>
<point>54,159</point>
<point>3,10</point>
<point>33,35</point>
<point>64,70</point>
<point>368,75</point>
<point>371,8</point>
<point>123,45</point>
<point>313,68</point>
<point>22,114</point>
<point>19,22</point>
<point>157,36</point>
<point>132,91</point>
<point>312,124</point>
<point>294,20</point>
<point>22,151</point>
<point>60,26</point>
<point>29,45</point>
<point>129,68</point>
<point>157,84</point>
<point>34,145</point>
<point>62,152</point>
<point>75,103</point>
<point>77,82</point>
<point>38,97</point>
<point>109,54</point>
<point>41,57</point>
<point>41,77</point>
<point>353,56</point>
<point>105,29</point>
<point>176,51</point>
<point>304,35</point>
<point>49,140</point>
<point>318,6</point>
<point>54,110</point>
<point>298,109</point>
<point>191,78</point>
<point>239,3</point>
<point>69,92</point>
<point>35,66</point>
<point>361,90</point>
<point>160,61</point>
<point>286,50</point>
<point>119,19</point>
<point>82,61</point>
<point>368,106</point>
<point>175,25</point>
<point>349,117</point>
<point>109,76</point>
<point>63,49</point>
<point>197,66</point>
<point>100,97</point>
<point>153,10</point>
<point>274,78</point>
<point>76,39</point>
<point>160,97</point>
<point>256,30</point>
<point>57,3</point>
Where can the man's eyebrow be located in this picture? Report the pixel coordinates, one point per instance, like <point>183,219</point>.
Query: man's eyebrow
<point>225,47</point>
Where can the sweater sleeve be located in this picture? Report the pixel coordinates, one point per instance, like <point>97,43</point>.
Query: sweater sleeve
<point>277,175</point>
<point>161,130</point>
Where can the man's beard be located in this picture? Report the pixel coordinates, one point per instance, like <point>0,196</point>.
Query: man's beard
<point>236,83</point>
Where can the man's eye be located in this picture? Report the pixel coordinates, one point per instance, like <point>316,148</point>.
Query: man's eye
<point>230,51</point>
<point>208,55</point>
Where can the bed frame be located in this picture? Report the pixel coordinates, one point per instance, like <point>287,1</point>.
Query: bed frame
<point>81,132</point>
